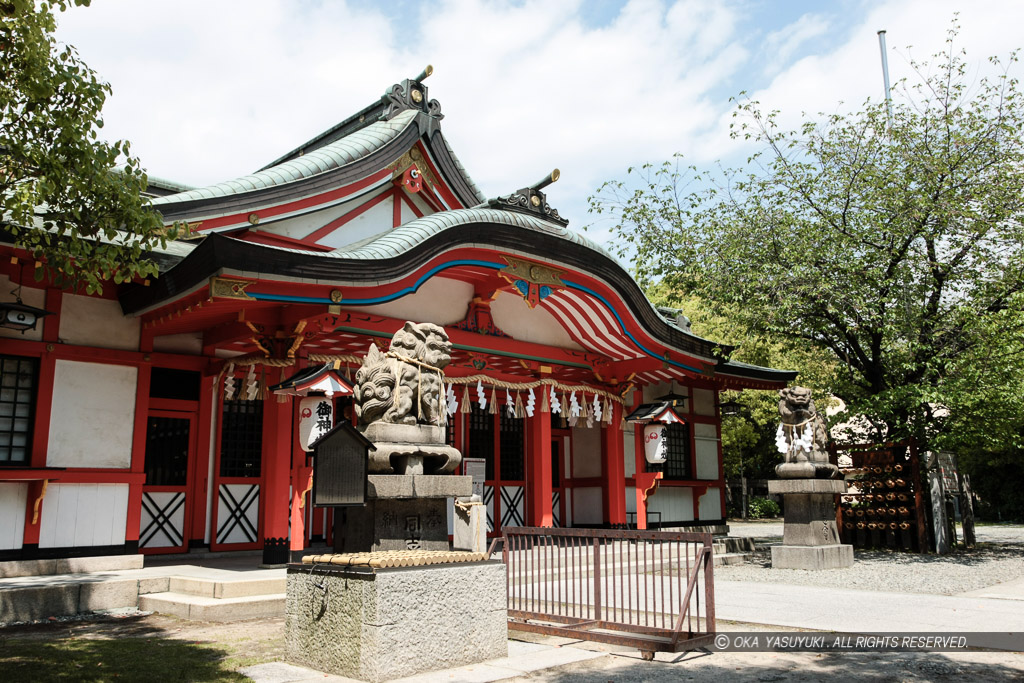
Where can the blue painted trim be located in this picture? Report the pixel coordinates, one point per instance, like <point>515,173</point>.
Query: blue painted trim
<point>452,264</point>
<point>380,299</point>
<point>622,327</point>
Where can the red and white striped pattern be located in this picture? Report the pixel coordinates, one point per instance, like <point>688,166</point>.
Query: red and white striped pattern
<point>590,324</point>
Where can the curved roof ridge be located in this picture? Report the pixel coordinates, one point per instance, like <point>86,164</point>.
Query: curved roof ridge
<point>420,229</point>
<point>346,150</point>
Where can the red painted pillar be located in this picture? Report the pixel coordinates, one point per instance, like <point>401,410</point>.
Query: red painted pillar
<point>614,470</point>
<point>200,468</point>
<point>138,466</point>
<point>641,504</point>
<point>301,484</point>
<point>538,470</point>
<point>641,467</point>
<point>277,461</point>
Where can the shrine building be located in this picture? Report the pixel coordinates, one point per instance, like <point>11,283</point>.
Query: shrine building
<point>142,420</point>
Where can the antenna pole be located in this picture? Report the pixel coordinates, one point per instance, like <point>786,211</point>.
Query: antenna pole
<point>885,76</point>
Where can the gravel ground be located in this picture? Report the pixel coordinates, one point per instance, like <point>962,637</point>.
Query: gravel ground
<point>999,557</point>
<point>771,530</point>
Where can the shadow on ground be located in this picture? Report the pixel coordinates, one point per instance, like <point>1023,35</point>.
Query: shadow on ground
<point>108,649</point>
<point>795,667</point>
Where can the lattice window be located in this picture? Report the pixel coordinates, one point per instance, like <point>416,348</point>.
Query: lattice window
<point>511,444</point>
<point>167,441</point>
<point>18,384</point>
<point>241,438</point>
<point>481,438</point>
<point>677,464</point>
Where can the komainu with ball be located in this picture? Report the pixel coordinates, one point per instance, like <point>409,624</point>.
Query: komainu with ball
<point>802,438</point>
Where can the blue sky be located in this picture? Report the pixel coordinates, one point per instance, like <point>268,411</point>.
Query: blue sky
<point>208,91</point>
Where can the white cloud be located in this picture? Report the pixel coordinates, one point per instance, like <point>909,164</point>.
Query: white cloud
<point>208,91</point>
<point>779,46</point>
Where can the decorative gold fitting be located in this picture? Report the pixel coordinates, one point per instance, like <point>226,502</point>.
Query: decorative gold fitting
<point>254,219</point>
<point>425,73</point>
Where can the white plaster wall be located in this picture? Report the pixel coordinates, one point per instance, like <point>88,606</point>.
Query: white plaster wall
<point>422,205</point>
<point>77,515</point>
<point>408,214</point>
<point>90,321</point>
<point>586,505</point>
<point>631,499</point>
<point>710,504</point>
<point>629,450</point>
<point>704,402</point>
<point>514,317</point>
<point>12,514</point>
<point>652,391</point>
<point>189,343</point>
<point>439,300</point>
<point>675,503</point>
<point>30,296</point>
<point>586,456</point>
<point>374,221</point>
<point>706,449</point>
<point>566,454</point>
<point>93,415</point>
<point>298,227</point>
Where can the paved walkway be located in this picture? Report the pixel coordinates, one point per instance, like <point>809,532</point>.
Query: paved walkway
<point>995,608</point>
<point>835,609</point>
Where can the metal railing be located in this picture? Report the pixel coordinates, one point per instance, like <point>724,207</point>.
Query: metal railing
<point>653,590</point>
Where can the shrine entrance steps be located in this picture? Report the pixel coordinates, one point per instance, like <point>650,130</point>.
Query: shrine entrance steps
<point>209,589</point>
<point>201,599</point>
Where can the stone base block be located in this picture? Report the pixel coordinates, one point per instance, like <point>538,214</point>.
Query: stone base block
<point>836,556</point>
<point>804,486</point>
<point>470,527</point>
<point>392,524</point>
<point>389,623</point>
<point>418,486</point>
<point>806,470</point>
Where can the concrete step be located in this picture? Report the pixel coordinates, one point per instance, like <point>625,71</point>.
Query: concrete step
<point>221,589</point>
<point>204,608</point>
<point>70,565</point>
<point>66,596</point>
<point>722,559</point>
<point>734,544</point>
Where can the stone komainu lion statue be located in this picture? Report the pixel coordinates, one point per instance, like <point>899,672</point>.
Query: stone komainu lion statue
<point>405,385</point>
<point>802,436</point>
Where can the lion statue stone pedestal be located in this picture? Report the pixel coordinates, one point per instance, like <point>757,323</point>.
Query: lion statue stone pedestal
<point>808,484</point>
<point>376,610</point>
<point>400,405</point>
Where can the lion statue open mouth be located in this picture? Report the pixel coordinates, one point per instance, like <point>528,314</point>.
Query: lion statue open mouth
<point>405,385</point>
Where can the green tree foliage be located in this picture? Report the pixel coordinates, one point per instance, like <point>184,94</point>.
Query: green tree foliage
<point>748,439</point>
<point>63,199</point>
<point>895,246</point>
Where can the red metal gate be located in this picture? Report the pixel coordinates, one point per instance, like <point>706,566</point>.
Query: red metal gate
<point>653,590</point>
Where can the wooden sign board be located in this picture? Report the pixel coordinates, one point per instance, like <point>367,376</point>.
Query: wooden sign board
<point>340,459</point>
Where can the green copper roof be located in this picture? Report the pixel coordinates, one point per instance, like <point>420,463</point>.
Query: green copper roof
<point>339,153</point>
<point>394,242</point>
